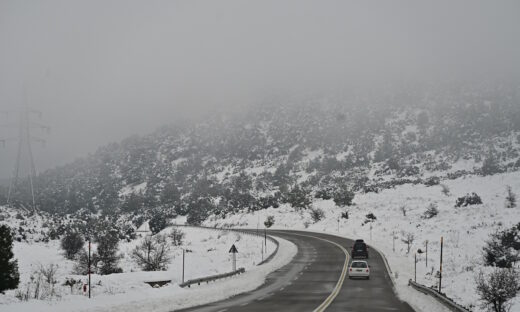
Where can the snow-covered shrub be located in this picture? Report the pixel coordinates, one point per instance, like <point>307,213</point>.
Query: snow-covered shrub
<point>468,199</point>
<point>431,181</point>
<point>176,236</point>
<point>317,214</point>
<point>511,198</point>
<point>152,254</point>
<point>72,243</point>
<point>298,197</point>
<point>370,217</point>
<point>71,283</point>
<point>343,197</point>
<point>323,194</point>
<point>497,288</point>
<point>431,211</point>
<point>269,221</point>
<point>503,248</point>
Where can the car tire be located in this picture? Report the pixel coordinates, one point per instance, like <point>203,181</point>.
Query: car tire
<point>368,277</point>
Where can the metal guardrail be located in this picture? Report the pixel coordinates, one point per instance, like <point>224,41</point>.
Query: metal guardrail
<point>442,298</point>
<point>211,278</point>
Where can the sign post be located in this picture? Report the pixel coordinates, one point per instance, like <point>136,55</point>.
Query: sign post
<point>234,251</point>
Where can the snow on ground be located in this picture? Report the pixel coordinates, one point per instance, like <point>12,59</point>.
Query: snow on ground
<point>465,230</point>
<point>207,253</point>
<point>132,189</point>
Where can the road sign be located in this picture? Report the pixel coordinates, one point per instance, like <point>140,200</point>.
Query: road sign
<point>234,251</point>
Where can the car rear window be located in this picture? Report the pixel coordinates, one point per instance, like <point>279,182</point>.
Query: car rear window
<point>359,264</point>
<point>360,246</point>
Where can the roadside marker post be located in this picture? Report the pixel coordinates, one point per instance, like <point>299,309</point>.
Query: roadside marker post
<point>234,251</point>
<point>440,271</point>
<point>183,252</point>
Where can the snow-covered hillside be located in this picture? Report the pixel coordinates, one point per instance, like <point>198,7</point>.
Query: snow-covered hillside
<point>207,253</point>
<point>464,229</point>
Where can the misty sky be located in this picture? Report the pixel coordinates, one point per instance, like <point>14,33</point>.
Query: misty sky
<point>103,70</point>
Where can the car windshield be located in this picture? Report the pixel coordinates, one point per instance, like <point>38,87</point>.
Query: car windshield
<point>358,264</point>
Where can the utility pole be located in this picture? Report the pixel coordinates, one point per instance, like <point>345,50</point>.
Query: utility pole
<point>338,224</point>
<point>183,265</point>
<point>89,268</point>
<point>25,139</point>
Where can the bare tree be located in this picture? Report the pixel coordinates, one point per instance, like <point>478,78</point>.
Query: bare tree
<point>497,288</point>
<point>152,254</point>
<point>403,210</point>
<point>408,239</point>
<point>431,211</point>
<point>176,236</point>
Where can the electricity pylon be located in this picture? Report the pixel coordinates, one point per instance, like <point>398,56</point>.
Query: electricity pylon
<point>25,124</point>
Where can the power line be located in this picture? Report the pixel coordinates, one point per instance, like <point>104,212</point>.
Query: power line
<point>25,124</point>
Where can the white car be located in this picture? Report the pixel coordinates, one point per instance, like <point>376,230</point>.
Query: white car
<point>359,269</point>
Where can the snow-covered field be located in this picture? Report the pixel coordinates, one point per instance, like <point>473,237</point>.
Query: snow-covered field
<point>465,230</point>
<point>207,254</point>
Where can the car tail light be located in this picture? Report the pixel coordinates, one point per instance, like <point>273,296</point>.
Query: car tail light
<point>367,270</point>
<point>350,269</point>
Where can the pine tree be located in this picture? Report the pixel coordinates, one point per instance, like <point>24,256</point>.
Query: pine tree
<point>107,253</point>
<point>9,276</point>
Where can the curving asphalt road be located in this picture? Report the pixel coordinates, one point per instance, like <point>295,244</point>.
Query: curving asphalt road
<point>315,281</point>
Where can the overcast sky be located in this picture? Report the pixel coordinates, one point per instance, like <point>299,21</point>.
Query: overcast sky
<point>103,70</point>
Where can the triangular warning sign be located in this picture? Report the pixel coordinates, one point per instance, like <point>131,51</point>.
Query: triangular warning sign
<point>233,249</point>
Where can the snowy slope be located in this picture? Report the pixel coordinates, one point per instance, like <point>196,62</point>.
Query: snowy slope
<point>464,229</point>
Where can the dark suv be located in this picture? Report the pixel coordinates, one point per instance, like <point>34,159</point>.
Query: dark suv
<point>359,250</point>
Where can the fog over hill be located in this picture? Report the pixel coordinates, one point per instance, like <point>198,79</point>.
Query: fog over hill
<point>290,148</point>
